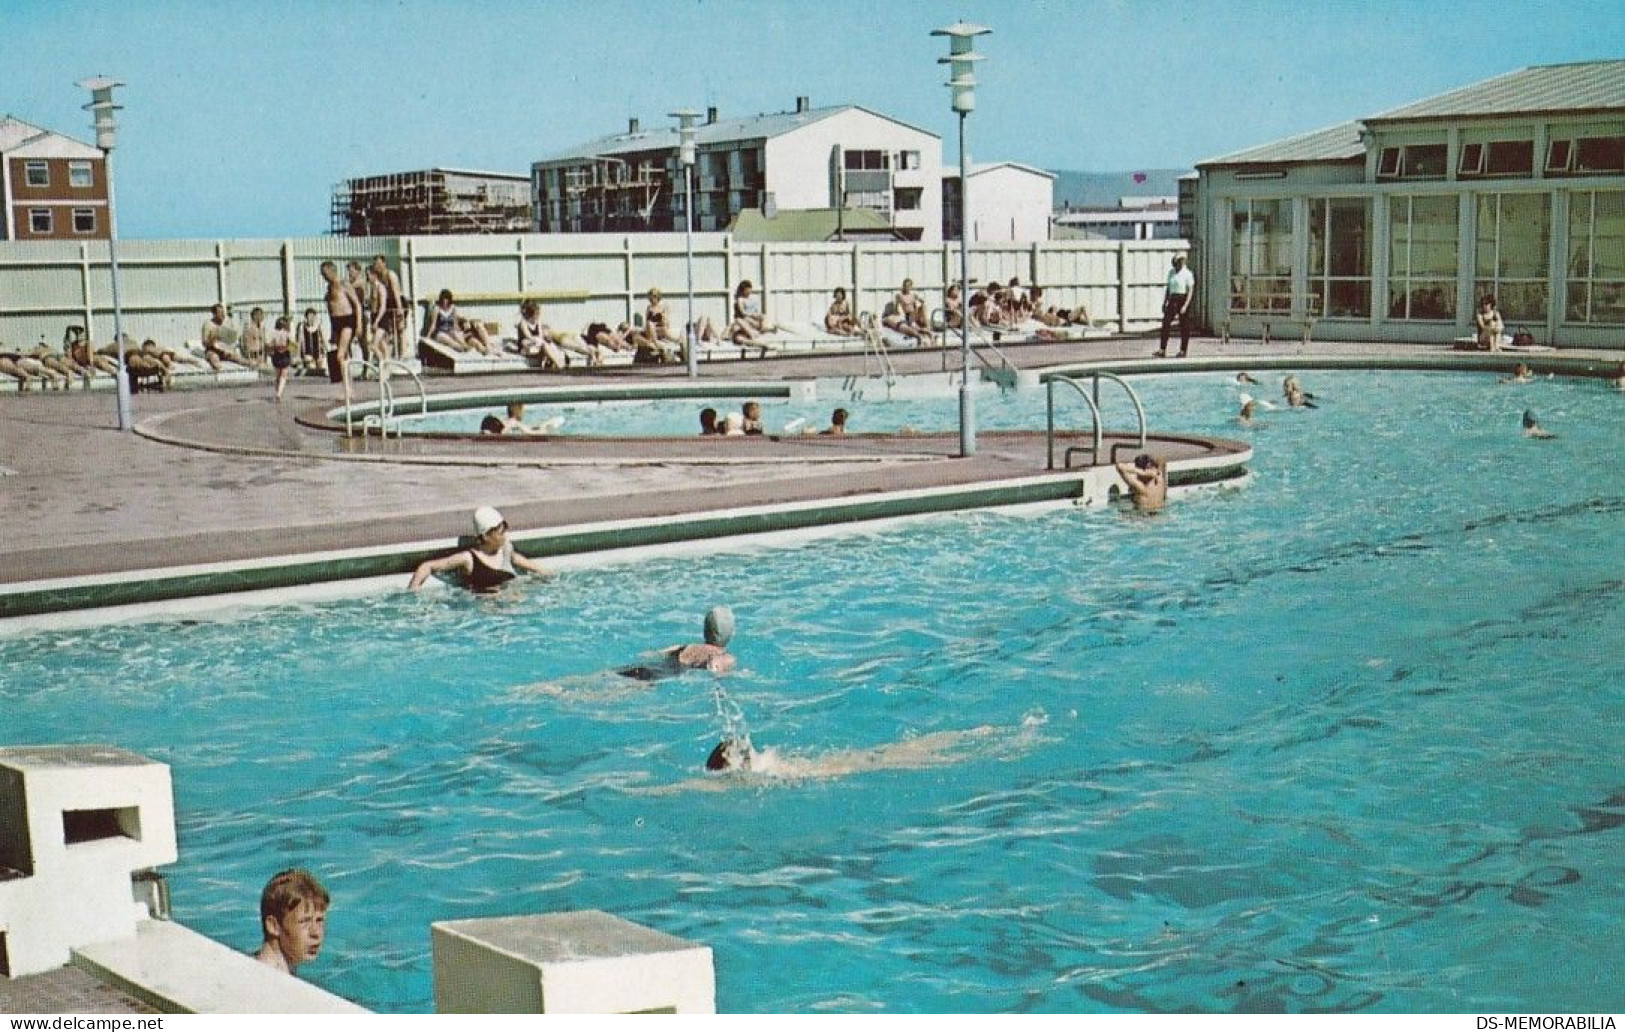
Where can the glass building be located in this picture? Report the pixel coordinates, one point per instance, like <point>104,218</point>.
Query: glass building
<point>1393,226</point>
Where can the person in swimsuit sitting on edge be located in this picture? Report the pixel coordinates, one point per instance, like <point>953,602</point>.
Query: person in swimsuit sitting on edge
<point>712,654</point>
<point>489,564</point>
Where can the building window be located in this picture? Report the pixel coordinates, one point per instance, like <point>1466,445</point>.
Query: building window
<point>1514,247</point>
<point>37,173</point>
<point>908,198</point>
<point>1422,257</point>
<point>865,160</point>
<point>1501,158</point>
<point>80,175</point>
<point>1416,161</point>
<point>908,159</point>
<point>1588,155</point>
<point>1261,256</point>
<point>875,200</point>
<point>39,220</point>
<point>84,220</point>
<point>1596,280</point>
<point>1340,256</point>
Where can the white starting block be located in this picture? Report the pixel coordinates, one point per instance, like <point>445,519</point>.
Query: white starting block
<point>580,962</point>
<point>81,826</point>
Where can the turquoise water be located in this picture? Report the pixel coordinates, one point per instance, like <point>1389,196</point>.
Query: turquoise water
<point>1346,739</point>
<point>681,417</point>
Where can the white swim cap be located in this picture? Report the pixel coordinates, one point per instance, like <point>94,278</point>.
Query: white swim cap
<point>719,626</point>
<point>485,518</point>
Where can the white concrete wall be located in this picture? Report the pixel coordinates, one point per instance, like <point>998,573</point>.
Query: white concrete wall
<point>167,286</point>
<point>1010,205</point>
<point>798,165</point>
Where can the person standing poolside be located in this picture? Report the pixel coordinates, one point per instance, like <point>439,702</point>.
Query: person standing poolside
<point>344,317</point>
<point>1176,304</point>
<point>312,342</point>
<point>390,320</point>
<point>1488,323</point>
<point>280,346</point>
<point>1147,481</point>
<point>489,564</point>
<point>293,920</point>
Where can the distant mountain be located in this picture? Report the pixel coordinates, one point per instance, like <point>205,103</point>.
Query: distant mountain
<point>1102,189</point>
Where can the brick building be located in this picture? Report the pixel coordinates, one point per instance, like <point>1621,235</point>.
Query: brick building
<point>53,186</point>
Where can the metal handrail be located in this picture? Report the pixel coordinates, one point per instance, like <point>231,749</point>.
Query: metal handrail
<point>979,343</point>
<point>1092,399</point>
<point>876,344</point>
<point>386,392</point>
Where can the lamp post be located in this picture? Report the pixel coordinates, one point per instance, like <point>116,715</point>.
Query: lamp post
<point>685,154</point>
<point>101,106</point>
<point>961,36</point>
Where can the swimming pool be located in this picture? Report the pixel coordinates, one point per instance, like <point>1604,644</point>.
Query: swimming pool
<point>1343,740</point>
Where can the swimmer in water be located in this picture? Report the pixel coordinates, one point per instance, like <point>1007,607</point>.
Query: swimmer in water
<point>1245,377</point>
<point>1249,409</point>
<point>712,654</point>
<point>742,763</point>
<point>1532,428</point>
<point>1520,374</point>
<point>1147,481</point>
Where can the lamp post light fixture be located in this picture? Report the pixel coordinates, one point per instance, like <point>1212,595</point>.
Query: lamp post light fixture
<point>961,58</point>
<point>685,155</point>
<point>101,106</point>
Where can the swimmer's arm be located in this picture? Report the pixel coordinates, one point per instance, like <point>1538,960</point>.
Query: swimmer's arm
<point>530,565</point>
<point>430,567</point>
<point>721,663</point>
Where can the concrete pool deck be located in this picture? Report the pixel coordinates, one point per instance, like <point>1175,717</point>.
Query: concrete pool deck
<point>222,474</point>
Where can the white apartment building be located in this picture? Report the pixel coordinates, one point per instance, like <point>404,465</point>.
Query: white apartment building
<point>830,157</point>
<point>1009,203</point>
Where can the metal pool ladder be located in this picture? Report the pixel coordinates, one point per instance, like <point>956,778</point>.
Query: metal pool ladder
<point>1092,399</point>
<point>384,418</point>
<point>875,344</point>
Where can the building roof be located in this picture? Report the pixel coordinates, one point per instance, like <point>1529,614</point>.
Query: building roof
<point>22,138</point>
<point>1585,87</point>
<point>1333,143</point>
<point>1545,89</point>
<point>817,224</point>
<point>991,166</point>
<point>726,130</point>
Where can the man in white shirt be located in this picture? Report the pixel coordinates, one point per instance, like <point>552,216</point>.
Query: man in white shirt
<point>1176,304</point>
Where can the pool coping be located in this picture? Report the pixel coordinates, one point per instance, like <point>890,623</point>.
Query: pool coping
<point>108,595</point>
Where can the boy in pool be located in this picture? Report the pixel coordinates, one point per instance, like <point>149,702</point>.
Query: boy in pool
<point>712,654</point>
<point>293,919</point>
<point>1147,481</point>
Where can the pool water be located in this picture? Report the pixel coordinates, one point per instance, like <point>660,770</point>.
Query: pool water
<point>1346,739</point>
<point>871,412</point>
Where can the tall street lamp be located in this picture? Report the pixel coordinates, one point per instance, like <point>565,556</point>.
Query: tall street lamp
<point>685,154</point>
<point>960,60</point>
<point>102,107</point>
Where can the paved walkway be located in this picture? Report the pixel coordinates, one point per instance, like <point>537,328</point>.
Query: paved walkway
<point>77,496</point>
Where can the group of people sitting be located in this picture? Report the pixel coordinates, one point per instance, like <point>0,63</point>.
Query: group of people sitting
<point>994,307</point>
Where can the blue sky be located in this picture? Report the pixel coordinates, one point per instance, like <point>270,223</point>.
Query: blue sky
<point>240,116</point>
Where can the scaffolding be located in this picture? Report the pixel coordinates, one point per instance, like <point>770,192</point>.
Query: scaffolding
<point>434,201</point>
<point>616,190</point>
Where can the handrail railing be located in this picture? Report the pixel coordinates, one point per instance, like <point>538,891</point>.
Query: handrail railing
<point>979,342</point>
<point>875,344</point>
<point>385,415</point>
<point>1092,399</point>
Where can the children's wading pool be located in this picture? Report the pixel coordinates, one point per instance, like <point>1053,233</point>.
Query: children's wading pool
<point>1346,739</point>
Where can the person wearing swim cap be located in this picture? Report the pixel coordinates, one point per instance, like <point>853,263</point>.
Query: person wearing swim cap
<point>1532,427</point>
<point>730,754</point>
<point>489,564</point>
<point>712,654</point>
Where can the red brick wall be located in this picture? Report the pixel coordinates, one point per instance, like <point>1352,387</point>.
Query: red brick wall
<point>59,198</point>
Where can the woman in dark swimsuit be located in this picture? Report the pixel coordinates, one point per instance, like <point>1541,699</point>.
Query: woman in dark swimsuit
<point>489,564</point>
